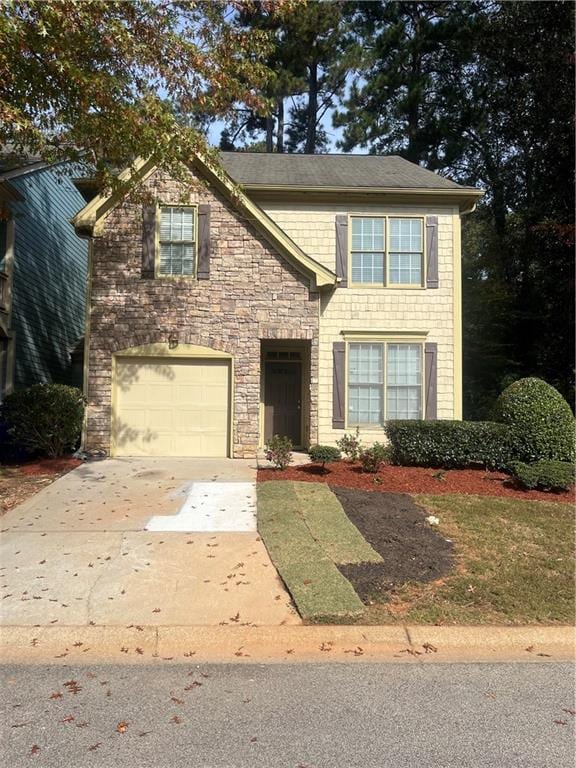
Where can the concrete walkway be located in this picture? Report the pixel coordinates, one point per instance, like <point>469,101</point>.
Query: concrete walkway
<point>78,553</point>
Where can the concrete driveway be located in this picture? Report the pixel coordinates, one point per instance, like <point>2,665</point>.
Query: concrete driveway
<point>79,552</point>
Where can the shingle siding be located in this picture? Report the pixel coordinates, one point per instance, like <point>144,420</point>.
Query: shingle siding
<point>49,283</point>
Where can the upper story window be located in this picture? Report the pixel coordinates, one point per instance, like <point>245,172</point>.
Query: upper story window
<point>177,237</point>
<point>387,250</point>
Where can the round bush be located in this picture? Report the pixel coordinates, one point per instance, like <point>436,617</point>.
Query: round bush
<point>540,419</point>
<point>45,418</point>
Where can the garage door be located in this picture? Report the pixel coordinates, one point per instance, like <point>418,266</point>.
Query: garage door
<point>165,407</point>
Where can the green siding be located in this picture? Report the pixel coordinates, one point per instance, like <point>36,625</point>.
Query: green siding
<point>49,287</point>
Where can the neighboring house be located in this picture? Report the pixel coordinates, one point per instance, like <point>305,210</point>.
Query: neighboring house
<point>43,268</point>
<point>288,294</point>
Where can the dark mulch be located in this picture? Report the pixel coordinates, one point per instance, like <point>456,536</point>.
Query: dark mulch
<point>397,529</point>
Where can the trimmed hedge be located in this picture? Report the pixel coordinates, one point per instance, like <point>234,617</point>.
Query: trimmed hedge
<point>450,444</point>
<point>540,419</point>
<point>545,475</point>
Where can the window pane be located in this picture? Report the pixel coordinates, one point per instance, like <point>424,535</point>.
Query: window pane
<point>367,234</point>
<point>406,235</point>
<point>365,372</point>
<point>176,224</point>
<point>368,267</point>
<point>404,381</point>
<point>406,268</point>
<point>176,259</point>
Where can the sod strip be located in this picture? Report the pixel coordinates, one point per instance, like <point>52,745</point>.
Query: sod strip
<point>331,526</point>
<point>318,588</point>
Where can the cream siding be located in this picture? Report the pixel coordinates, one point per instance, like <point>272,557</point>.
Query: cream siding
<point>433,313</point>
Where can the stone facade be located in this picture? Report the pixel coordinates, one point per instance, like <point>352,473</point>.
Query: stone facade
<point>253,294</point>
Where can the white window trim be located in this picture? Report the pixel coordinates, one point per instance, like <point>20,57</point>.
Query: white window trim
<point>384,340</point>
<point>157,272</point>
<point>387,284</point>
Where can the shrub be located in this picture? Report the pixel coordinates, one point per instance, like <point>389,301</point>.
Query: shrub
<point>540,419</point>
<point>324,454</point>
<point>46,418</point>
<point>450,444</point>
<point>373,458</point>
<point>279,451</point>
<point>350,445</point>
<point>546,475</point>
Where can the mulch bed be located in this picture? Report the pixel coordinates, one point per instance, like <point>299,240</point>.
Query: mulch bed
<point>397,529</point>
<point>392,479</point>
<point>19,482</point>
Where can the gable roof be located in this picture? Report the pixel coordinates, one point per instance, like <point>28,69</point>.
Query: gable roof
<point>88,222</point>
<point>384,172</point>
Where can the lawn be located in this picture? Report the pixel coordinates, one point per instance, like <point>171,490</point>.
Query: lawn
<point>369,557</point>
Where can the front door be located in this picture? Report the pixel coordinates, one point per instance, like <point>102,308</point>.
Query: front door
<point>283,401</point>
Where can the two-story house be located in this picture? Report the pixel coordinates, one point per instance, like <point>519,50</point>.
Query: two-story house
<point>285,294</point>
<point>43,267</point>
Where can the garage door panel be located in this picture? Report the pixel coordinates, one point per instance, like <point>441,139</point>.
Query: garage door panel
<point>172,408</point>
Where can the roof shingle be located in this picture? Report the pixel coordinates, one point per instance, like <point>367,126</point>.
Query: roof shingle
<point>345,171</point>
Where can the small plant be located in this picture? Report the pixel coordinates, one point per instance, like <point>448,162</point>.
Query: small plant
<point>350,445</point>
<point>373,458</point>
<point>46,418</point>
<point>279,451</point>
<point>324,454</point>
<point>545,475</point>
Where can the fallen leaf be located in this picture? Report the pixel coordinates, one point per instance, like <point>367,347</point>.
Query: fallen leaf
<point>429,648</point>
<point>122,726</point>
<point>57,695</point>
<point>176,720</point>
<point>35,749</point>
<point>94,747</point>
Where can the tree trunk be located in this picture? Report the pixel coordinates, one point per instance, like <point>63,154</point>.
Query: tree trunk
<point>310,145</point>
<point>270,134</point>
<point>280,129</point>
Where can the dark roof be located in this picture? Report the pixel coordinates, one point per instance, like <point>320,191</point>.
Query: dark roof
<point>296,170</point>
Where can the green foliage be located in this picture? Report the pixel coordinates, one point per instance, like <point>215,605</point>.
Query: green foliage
<point>279,451</point>
<point>450,444</point>
<point>324,454</point>
<point>46,418</point>
<point>545,475</point>
<point>372,458</point>
<point>540,419</point>
<point>107,82</point>
<point>350,445</point>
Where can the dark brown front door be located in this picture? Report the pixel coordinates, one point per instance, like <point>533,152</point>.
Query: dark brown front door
<point>283,401</point>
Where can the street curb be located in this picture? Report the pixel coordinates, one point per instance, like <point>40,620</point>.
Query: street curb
<point>281,644</point>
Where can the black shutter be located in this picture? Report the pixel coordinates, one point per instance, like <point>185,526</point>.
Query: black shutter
<point>430,377</point>
<point>432,252</point>
<point>203,269</point>
<point>338,384</point>
<point>148,240</point>
<point>342,251</point>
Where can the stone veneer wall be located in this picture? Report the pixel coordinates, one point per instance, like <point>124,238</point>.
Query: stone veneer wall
<point>253,294</point>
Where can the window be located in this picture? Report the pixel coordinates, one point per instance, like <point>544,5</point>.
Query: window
<point>374,261</point>
<point>177,252</point>
<point>406,251</point>
<point>368,250</point>
<point>373,396</point>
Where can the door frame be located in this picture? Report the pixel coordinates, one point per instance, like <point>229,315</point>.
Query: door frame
<point>178,351</point>
<point>304,362</point>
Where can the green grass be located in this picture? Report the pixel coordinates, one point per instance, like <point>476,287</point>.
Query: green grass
<point>331,527</point>
<point>515,565</point>
<point>318,588</point>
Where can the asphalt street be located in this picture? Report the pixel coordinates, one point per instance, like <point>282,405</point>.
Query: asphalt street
<point>288,716</point>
